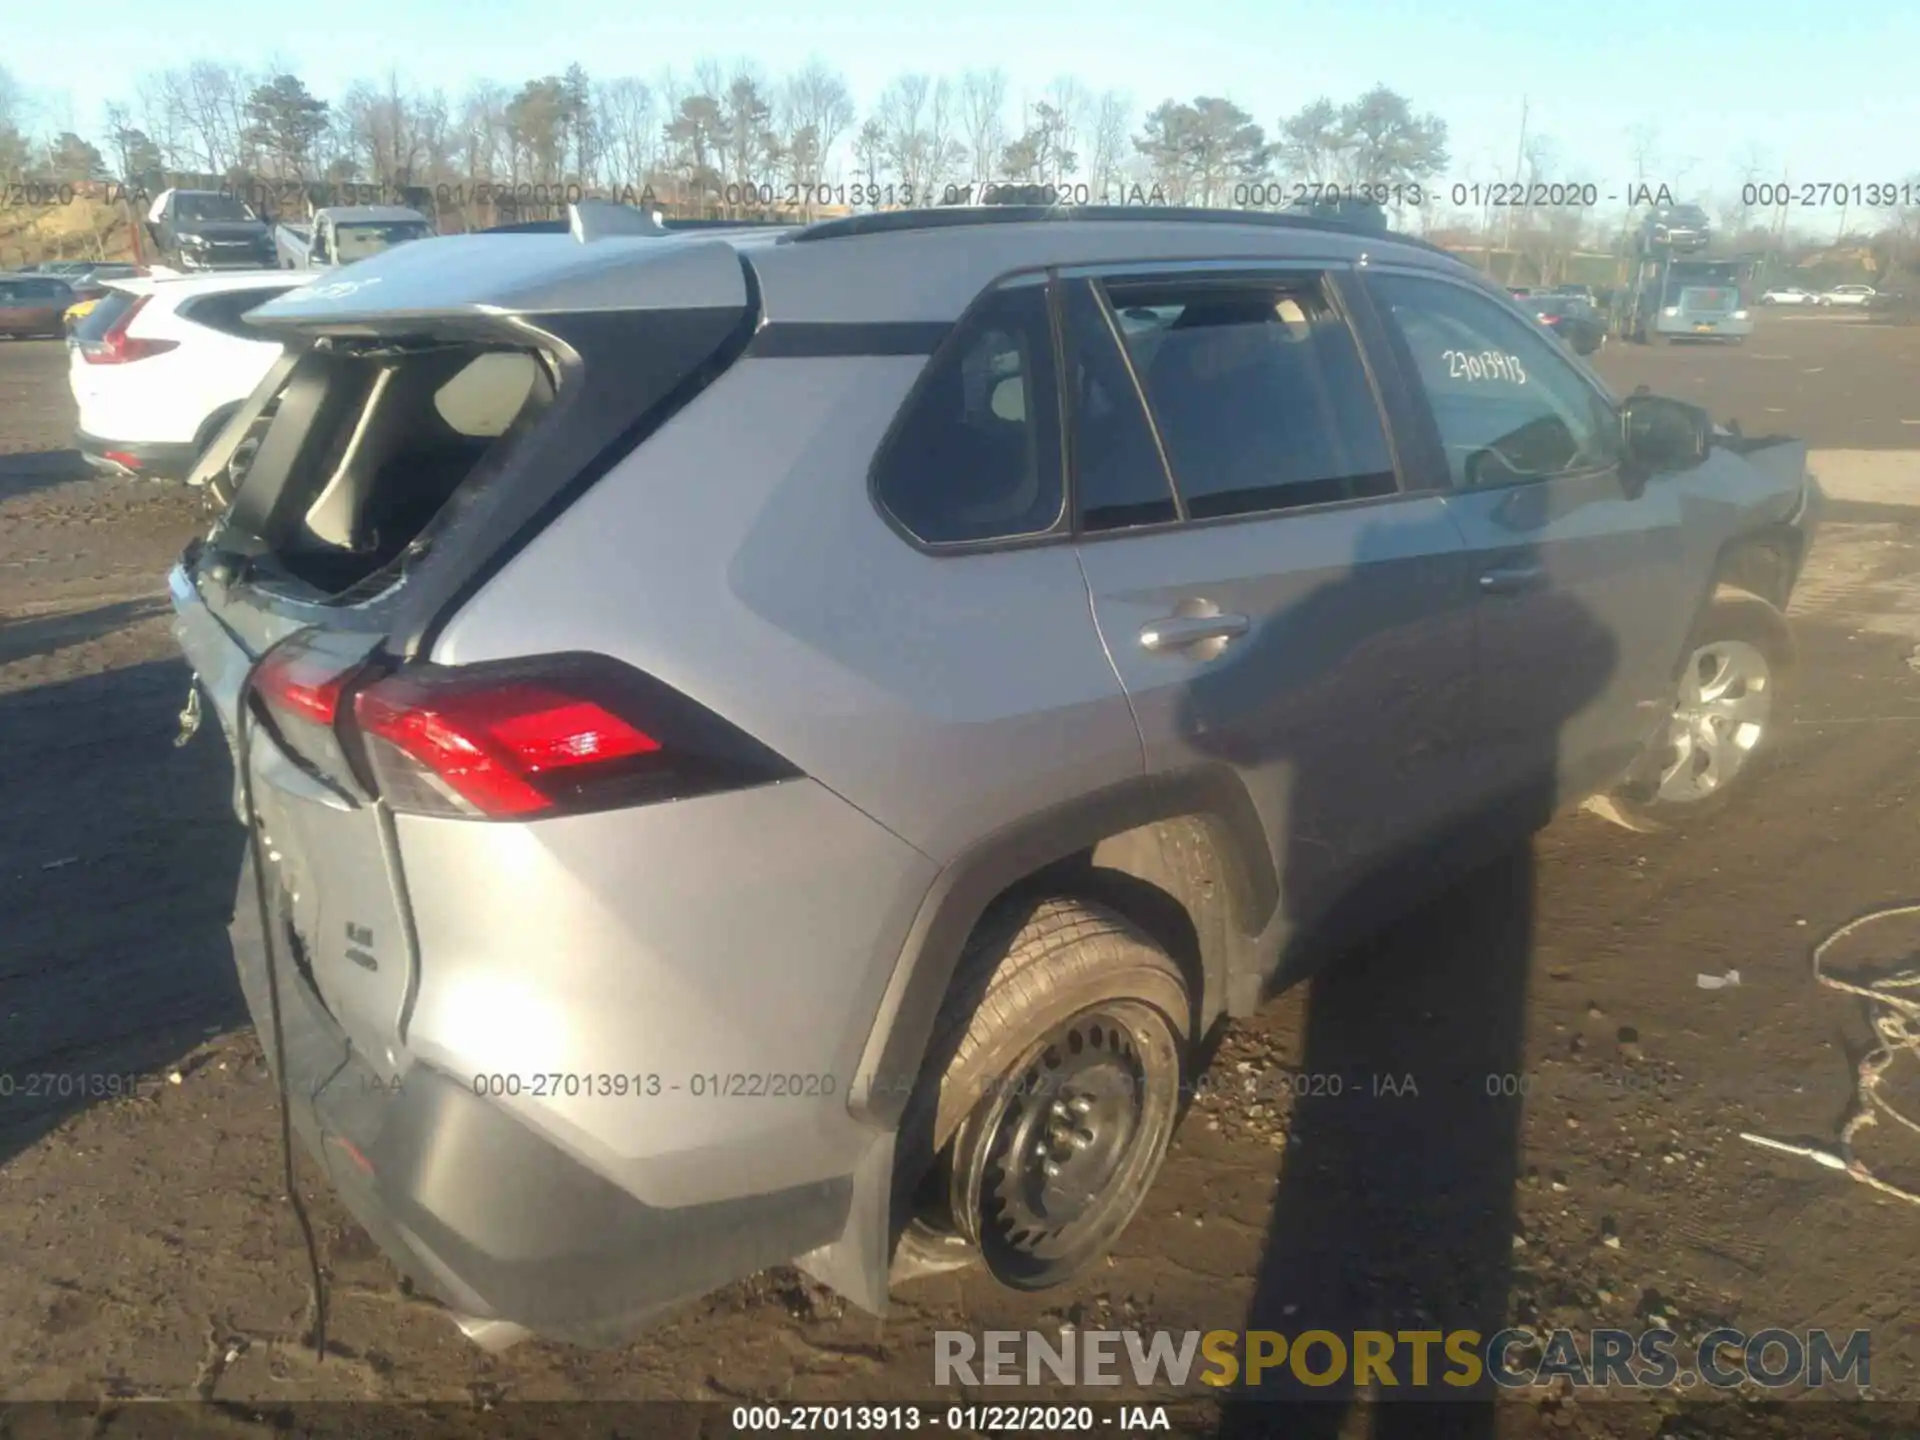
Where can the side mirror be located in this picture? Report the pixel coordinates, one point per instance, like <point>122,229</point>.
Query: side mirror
<point>1659,435</point>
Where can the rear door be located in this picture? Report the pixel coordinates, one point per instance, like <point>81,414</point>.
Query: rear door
<point>1583,591</point>
<point>1274,601</point>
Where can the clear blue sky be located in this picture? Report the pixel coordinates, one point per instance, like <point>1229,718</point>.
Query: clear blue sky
<point>1822,92</point>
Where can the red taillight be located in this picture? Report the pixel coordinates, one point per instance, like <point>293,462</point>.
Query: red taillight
<point>1549,319</point>
<point>116,347</point>
<point>124,457</point>
<point>490,748</point>
<point>301,688</point>
<point>552,735</point>
<point>297,683</point>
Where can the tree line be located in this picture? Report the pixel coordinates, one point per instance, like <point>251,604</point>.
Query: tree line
<point>734,141</point>
<point>715,134</point>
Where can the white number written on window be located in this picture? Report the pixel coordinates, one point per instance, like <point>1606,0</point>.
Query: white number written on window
<point>1484,365</point>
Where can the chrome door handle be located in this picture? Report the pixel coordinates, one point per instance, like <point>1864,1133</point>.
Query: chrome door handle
<point>1177,632</point>
<point>1512,582</point>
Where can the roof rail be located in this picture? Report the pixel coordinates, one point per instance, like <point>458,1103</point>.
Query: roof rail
<point>887,222</point>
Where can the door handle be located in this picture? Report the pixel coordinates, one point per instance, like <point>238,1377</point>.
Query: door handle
<point>1513,581</point>
<point>1177,632</point>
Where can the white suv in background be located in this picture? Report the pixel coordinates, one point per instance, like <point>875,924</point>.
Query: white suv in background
<point>1848,295</point>
<point>160,364</point>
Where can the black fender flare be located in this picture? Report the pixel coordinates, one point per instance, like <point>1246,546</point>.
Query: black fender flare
<point>1212,797</point>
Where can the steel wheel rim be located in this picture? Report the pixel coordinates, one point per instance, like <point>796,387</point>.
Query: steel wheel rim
<point>1720,717</point>
<point>1049,1170</point>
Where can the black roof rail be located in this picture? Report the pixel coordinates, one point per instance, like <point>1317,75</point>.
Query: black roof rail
<point>887,222</point>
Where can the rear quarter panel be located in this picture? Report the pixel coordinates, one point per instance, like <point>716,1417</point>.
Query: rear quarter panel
<point>931,701</point>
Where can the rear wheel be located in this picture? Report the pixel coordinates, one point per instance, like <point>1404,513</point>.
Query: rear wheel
<point>1049,1098</point>
<point>210,430</point>
<point>1729,705</point>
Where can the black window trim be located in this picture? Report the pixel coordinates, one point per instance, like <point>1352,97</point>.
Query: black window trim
<point>1336,274</point>
<point>1061,531</point>
<point>272,290</point>
<point>1403,359</point>
<point>1069,411</point>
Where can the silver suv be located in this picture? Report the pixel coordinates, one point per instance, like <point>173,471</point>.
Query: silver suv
<point>774,745</point>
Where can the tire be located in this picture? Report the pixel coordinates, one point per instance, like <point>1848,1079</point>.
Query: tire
<point>1752,637</point>
<point>1038,987</point>
<point>211,428</point>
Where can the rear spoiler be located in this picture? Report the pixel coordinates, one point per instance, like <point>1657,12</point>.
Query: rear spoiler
<point>607,258</point>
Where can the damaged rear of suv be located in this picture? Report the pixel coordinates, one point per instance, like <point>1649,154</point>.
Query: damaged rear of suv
<point>780,746</point>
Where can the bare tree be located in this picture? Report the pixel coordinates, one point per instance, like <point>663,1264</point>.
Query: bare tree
<point>815,110</point>
<point>480,139</point>
<point>870,153</point>
<point>1753,166</point>
<point>903,118</point>
<point>1107,144</point>
<point>628,119</point>
<point>983,114</point>
<point>207,101</point>
<point>1072,108</point>
<point>751,146</point>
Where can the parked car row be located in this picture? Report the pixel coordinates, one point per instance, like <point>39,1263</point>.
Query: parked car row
<point>1273,572</point>
<point>1844,296</point>
<point>204,230</point>
<point>33,305</point>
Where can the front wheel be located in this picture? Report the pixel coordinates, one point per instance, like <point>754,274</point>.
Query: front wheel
<point>1049,1098</point>
<point>1728,708</point>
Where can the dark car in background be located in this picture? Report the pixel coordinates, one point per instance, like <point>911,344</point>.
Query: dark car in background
<point>1893,307</point>
<point>1572,317</point>
<point>1683,228</point>
<point>211,230</point>
<point>33,304</point>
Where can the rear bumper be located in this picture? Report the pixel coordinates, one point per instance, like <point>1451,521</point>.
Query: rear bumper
<point>483,1211</point>
<point>1715,325</point>
<point>159,460</point>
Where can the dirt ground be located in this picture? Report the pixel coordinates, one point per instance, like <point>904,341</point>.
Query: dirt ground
<point>144,1240</point>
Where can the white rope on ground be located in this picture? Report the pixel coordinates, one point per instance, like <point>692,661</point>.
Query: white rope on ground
<point>1895,1015</point>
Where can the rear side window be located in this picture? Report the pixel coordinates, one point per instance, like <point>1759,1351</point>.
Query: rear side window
<point>1258,392</point>
<point>222,312</point>
<point>103,316</point>
<point>976,454</point>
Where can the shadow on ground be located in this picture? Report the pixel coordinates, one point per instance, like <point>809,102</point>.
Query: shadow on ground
<point>117,869</point>
<point>36,635</point>
<point>28,471</point>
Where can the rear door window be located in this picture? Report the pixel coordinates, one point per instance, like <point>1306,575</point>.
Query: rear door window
<point>976,454</point>
<point>1258,393</point>
<point>223,312</point>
